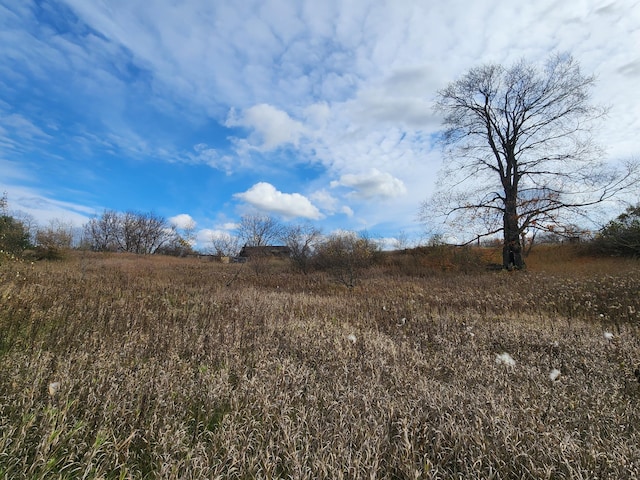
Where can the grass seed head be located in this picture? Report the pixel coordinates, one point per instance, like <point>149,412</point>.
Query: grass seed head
<point>53,388</point>
<point>554,375</point>
<point>505,359</point>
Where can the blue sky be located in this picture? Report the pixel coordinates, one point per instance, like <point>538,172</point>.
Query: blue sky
<point>316,111</point>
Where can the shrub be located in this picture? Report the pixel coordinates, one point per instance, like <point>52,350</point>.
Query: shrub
<point>621,236</point>
<point>345,255</point>
<point>14,236</point>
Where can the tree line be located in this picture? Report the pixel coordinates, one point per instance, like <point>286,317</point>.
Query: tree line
<point>519,159</point>
<point>132,232</point>
<point>344,252</point>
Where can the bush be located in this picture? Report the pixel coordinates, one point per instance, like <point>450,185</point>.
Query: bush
<point>621,236</point>
<point>427,260</point>
<point>345,256</point>
<point>14,236</point>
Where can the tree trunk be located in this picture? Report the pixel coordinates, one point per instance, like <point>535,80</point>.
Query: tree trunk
<point>512,257</point>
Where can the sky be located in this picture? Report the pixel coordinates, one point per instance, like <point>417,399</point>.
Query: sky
<point>309,111</point>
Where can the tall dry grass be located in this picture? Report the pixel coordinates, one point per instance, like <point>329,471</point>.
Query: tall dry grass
<point>164,371</point>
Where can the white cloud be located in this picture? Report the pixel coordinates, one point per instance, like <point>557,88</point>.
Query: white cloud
<point>291,54</point>
<point>206,235</point>
<point>317,115</point>
<point>330,204</point>
<point>229,226</point>
<point>271,128</point>
<point>372,184</point>
<point>225,232</point>
<point>13,170</point>
<point>378,106</point>
<point>22,126</point>
<point>345,85</point>
<point>215,159</point>
<point>265,197</point>
<point>325,200</point>
<point>43,208</point>
<point>183,221</point>
<point>347,211</point>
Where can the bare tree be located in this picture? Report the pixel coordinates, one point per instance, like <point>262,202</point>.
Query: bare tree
<point>301,240</point>
<point>101,233</point>
<point>142,233</point>
<point>520,153</point>
<point>224,244</point>
<point>153,232</point>
<point>181,238</point>
<point>258,230</point>
<point>187,233</point>
<point>401,242</point>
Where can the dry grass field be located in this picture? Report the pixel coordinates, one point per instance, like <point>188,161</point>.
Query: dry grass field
<point>116,366</point>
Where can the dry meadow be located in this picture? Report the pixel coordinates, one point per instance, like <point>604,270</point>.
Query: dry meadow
<point>118,366</point>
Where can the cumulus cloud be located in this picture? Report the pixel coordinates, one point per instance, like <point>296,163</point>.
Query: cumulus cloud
<point>265,197</point>
<point>372,184</point>
<point>330,204</point>
<point>325,200</point>
<point>183,221</point>
<point>271,128</point>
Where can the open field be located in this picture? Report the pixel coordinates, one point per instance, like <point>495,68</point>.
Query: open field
<point>167,371</point>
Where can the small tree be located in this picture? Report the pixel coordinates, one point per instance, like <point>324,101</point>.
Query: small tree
<point>224,244</point>
<point>14,234</point>
<point>176,246</point>
<point>258,230</point>
<point>302,241</point>
<point>52,241</point>
<point>520,154</point>
<point>101,233</point>
<point>345,255</point>
<point>150,232</point>
<point>57,234</point>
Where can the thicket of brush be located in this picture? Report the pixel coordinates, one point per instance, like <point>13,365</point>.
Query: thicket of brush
<point>117,366</point>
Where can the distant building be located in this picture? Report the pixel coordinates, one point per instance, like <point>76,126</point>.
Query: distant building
<point>276,251</point>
